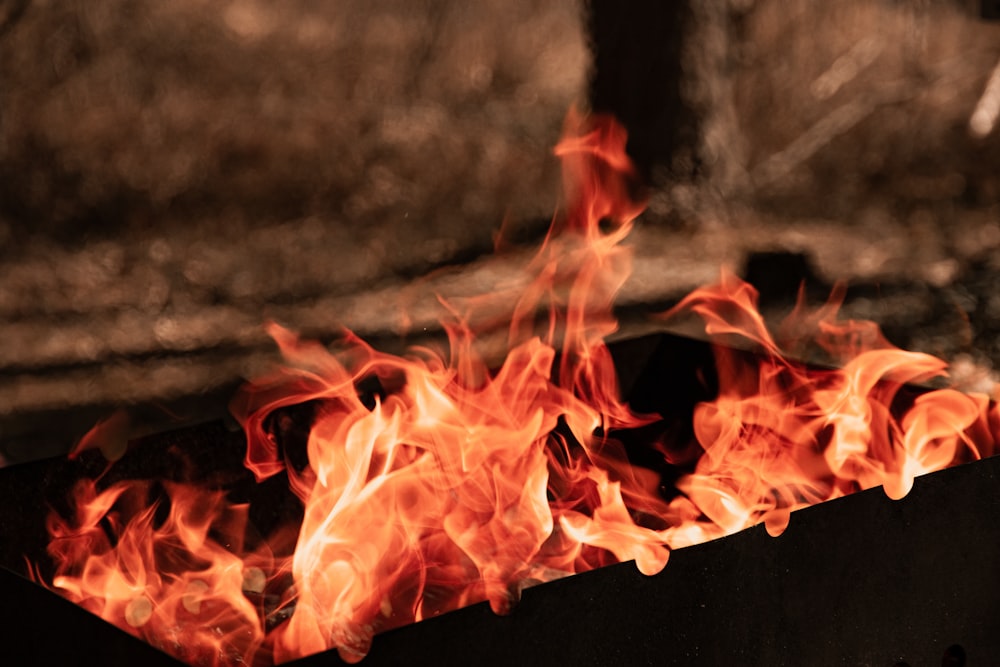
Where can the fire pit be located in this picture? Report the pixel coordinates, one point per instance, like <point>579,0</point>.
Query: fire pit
<point>378,490</point>
<point>861,580</point>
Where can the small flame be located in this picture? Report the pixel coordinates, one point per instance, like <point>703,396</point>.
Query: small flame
<point>168,580</point>
<point>783,435</point>
<point>461,481</point>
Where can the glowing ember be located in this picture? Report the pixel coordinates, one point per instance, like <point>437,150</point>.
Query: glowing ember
<point>456,482</point>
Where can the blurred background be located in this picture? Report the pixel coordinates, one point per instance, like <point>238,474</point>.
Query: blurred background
<point>174,174</point>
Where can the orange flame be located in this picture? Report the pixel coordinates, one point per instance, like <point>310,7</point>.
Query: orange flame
<point>782,435</point>
<point>168,581</point>
<point>458,483</point>
<point>439,496</point>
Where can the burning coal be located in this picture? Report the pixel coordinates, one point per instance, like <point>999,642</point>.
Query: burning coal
<point>457,480</point>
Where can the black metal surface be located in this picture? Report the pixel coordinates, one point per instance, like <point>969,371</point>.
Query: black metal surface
<point>40,628</point>
<point>861,580</point>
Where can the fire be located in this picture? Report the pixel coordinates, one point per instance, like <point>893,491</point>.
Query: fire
<point>782,435</point>
<point>458,480</point>
<point>175,581</point>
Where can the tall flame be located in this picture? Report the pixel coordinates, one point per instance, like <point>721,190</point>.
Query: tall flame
<point>458,481</point>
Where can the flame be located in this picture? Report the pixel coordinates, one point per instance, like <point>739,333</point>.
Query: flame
<point>459,480</point>
<point>782,435</point>
<point>164,579</point>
